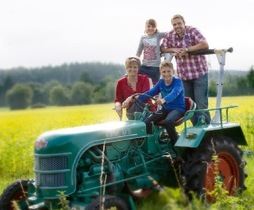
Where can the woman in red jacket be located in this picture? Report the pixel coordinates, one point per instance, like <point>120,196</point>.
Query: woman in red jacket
<point>128,85</point>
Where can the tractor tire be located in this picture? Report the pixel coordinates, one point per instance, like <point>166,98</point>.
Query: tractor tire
<point>109,202</point>
<point>17,191</point>
<point>200,168</point>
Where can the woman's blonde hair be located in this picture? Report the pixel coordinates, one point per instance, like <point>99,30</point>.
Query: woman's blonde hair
<point>132,60</point>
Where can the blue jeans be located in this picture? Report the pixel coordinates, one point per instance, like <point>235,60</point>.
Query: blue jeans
<point>197,89</point>
<point>170,117</point>
<point>152,72</point>
<point>135,107</point>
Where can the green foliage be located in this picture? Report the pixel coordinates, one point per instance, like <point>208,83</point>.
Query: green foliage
<point>47,88</point>
<point>223,200</point>
<point>15,205</point>
<point>59,96</point>
<point>168,198</point>
<point>212,91</point>
<point>64,203</point>
<point>242,85</point>
<point>7,85</point>
<point>236,83</point>
<point>42,80</point>
<point>19,96</point>
<point>103,77</point>
<point>105,91</point>
<point>86,78</point>
<point>65,74</point>
<point>219,193</point>
<point>250,78</point>
<point>81,93</point>
<point>37,89</point>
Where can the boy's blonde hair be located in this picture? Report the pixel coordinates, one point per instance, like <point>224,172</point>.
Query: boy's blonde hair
<point>132,60</point>
<point>167,64</point>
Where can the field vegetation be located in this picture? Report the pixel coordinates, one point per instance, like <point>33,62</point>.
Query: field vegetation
<point>20,129</point>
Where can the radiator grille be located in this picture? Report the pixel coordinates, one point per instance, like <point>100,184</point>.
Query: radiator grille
<point>51,180</point>
<point>49,170</point>
<point>51,163</point>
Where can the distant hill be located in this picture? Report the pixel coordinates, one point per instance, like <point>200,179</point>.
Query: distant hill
<point>65,74</point>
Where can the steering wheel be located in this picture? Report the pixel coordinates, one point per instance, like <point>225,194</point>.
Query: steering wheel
<point>137,102</point>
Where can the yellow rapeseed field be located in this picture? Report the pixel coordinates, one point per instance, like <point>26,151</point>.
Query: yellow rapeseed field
<point>19,130</point>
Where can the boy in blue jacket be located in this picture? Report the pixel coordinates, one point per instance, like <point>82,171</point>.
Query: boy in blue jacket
<point>172,100</point>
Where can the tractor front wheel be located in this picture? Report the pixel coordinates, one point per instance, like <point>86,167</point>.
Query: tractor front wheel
<point>217,159</point>
<point>15,192</point>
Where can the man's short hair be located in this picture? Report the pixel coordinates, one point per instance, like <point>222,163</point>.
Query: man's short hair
<point>177,16</point>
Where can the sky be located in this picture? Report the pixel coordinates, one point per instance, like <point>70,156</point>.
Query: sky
<point>35,33</point>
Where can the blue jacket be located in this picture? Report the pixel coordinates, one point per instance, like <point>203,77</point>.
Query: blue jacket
<point>173,94</point>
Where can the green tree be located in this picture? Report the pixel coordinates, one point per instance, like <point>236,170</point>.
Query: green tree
<point>59,96</point>
<point>46,89</point>
<point>110,91</point>
<point>81,93</point>
<point>19,96</point>
<point>212,90</point>
<point>85,77</point>
<point>250,78</point>
<point>2,96</point>
<point>242,86</point>
<point>37,92</point>
<point>7,85</point>
<point>105,90</point>
<point>229,86</point>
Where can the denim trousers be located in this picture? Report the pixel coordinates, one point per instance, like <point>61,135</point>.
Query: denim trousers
<point>135,107</point>
<point>197,90</point>
<point>152,72</point>
<point>170,117</point>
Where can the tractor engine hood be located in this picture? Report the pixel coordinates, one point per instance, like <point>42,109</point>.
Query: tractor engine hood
<point>75,138</point>
<point>58,152</point>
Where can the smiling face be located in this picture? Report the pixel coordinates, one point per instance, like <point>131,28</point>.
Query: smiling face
<point>150,27</point>
<point>167,71</point>
<point>178,25</point>
<point>132,69</point>
<point>167,74</point>
<point>132,65</point>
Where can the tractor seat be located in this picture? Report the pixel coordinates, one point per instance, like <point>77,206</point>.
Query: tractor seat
<point>189,105</point>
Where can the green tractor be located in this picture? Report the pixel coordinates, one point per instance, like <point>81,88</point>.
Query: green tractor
<point>112,164</point>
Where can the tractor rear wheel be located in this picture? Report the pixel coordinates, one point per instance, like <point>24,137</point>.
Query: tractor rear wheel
<point>108,202</point>
<point>217,158</point>
<point>17,191</point>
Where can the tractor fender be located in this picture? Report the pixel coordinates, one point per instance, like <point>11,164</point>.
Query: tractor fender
<point>192,137</point>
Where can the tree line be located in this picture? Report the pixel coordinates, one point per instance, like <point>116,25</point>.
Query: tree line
<point>88,83</point>
<point>67,84</point>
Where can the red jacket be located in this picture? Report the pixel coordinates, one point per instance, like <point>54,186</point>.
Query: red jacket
<point>124,90</point>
